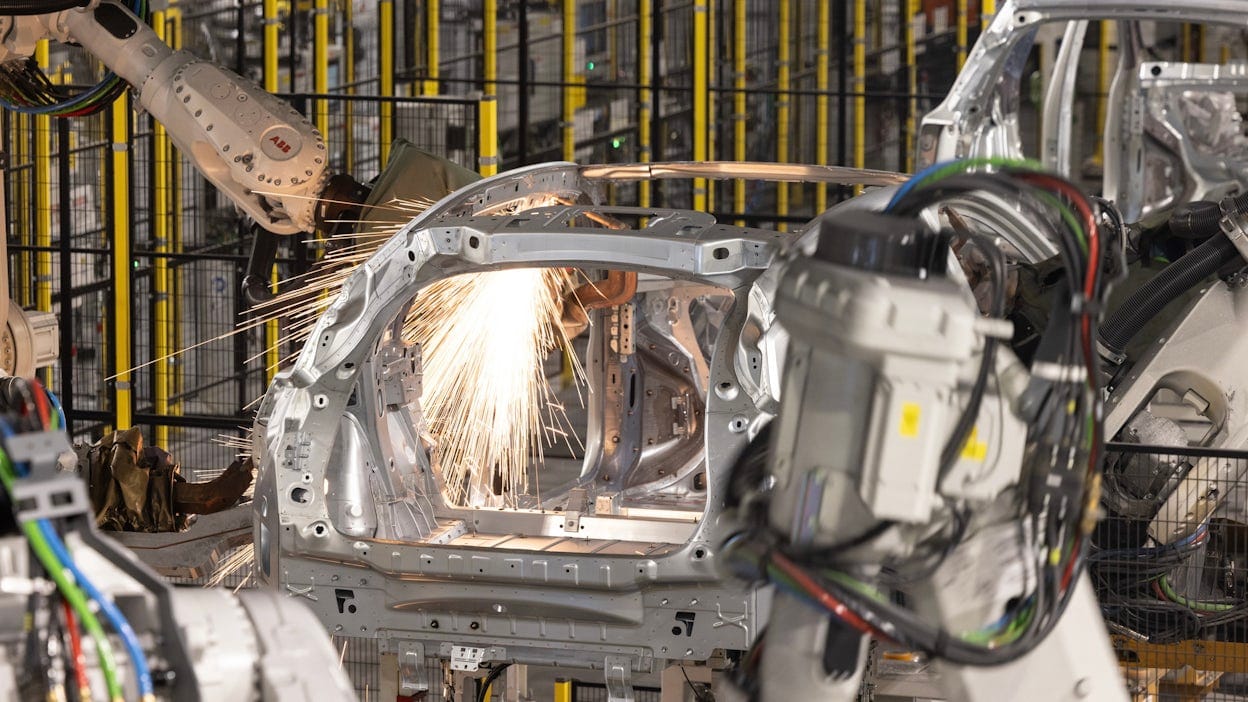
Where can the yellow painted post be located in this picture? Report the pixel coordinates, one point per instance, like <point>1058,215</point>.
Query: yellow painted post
<point>490,45</point>
<point>860,87</point>
<point>176,367</point>
<point>487,147</point>
<point>563,686</point>
<point>43,198</point>
<point>272,49</point>
<point>122,293</point>
<point>912,81</point>
<point>272,45</point>
<point>701,90</point>
<point>569,78</point>
<point>1104,73</point>
<point>320,64</point>
<point>646,28</point>
<point>987,10</point>
<point>712,111</point>
<point>823,47</point>
<point>961,29</point>
<point>739,98</point>
<point>783,85</point>
<point>433,18</point>
<point>385,46</point>
<point>161,315</point>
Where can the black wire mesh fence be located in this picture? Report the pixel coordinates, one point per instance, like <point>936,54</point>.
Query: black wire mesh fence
<point>1170,566</point>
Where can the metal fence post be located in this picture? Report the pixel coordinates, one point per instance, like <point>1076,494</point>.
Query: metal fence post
<point>487,129</point>
<point>385,47</point>
<point>119,116</point>
<point>701,90</point>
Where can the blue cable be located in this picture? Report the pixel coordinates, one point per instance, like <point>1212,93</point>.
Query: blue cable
<point>914,181</point>
<point>56,402</point>
<point>114,615</point>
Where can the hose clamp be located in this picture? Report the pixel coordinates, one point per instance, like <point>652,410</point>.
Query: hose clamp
<point>1232,225</point>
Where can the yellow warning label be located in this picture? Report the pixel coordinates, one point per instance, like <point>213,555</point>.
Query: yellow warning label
<point>974,449</point>
<point>910,413</point>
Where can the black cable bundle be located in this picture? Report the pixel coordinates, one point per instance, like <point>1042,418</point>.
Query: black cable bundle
<point>1061,464</point>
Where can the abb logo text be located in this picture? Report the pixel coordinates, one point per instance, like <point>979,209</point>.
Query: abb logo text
<point>281,144</point>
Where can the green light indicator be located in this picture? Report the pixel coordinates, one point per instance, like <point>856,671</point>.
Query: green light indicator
<point>589,65</point>
<point>615,143</point>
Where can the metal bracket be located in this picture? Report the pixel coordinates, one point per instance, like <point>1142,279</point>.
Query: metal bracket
<point>466,658</point>
<point>46,493</point>
<point>618,671</point>
<point>412,679</point>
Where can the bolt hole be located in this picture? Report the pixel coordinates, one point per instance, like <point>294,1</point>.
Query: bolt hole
<point>720,253</point>
<point>699,554</point>
<point>351,609</point>
<point>411,255</point>
<point>474,242</point>
<point>1156,70</point>
<point>301,495</point>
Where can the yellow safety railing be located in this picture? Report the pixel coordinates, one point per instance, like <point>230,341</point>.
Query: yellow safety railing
<point>712,97</point>
<point>489,31</point>
<point>433,19</point>
<point>987,11</point>
<point>569,77</point>
<point>701,94</point>
<point>320,63</point>
<point>43,198</point>
<point>645,21</point>
<point>122,293</point>
<point>739,99</point>
<point>1104,74</point>
<point>563,687</point>
<point>162,315</point>
<point>487,146</point>
<point>272,47</point>
<point>178,376</point>
<point>961,30</point>
<point>385,46</point>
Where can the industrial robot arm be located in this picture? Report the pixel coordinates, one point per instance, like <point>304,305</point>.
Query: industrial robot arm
<point>254,147</point>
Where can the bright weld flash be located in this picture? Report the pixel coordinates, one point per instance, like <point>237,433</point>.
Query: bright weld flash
<point>484,338</point>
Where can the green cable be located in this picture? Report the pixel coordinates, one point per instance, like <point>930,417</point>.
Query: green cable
<point>1021,164</point>
<point>997,161</point>
<point>861,587</point>
<point>1068,217</point>
<point>1197,605</point>
<point>73,594</point>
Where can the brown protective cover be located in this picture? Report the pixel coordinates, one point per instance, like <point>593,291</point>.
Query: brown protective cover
<point>137,488</point>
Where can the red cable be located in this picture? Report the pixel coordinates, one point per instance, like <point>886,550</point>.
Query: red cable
<point>75,644</point>
<point>41,401</point>
<point>825,598</point>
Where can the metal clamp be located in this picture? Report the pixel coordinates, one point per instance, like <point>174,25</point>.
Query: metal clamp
<point>618,671</point>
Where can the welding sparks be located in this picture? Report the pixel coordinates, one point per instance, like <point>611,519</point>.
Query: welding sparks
<point>484,337</point>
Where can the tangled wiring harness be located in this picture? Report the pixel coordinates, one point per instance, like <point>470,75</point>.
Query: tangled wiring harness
<point>1058,492</point>
<point>28,410</point>
<point>26,88</point>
